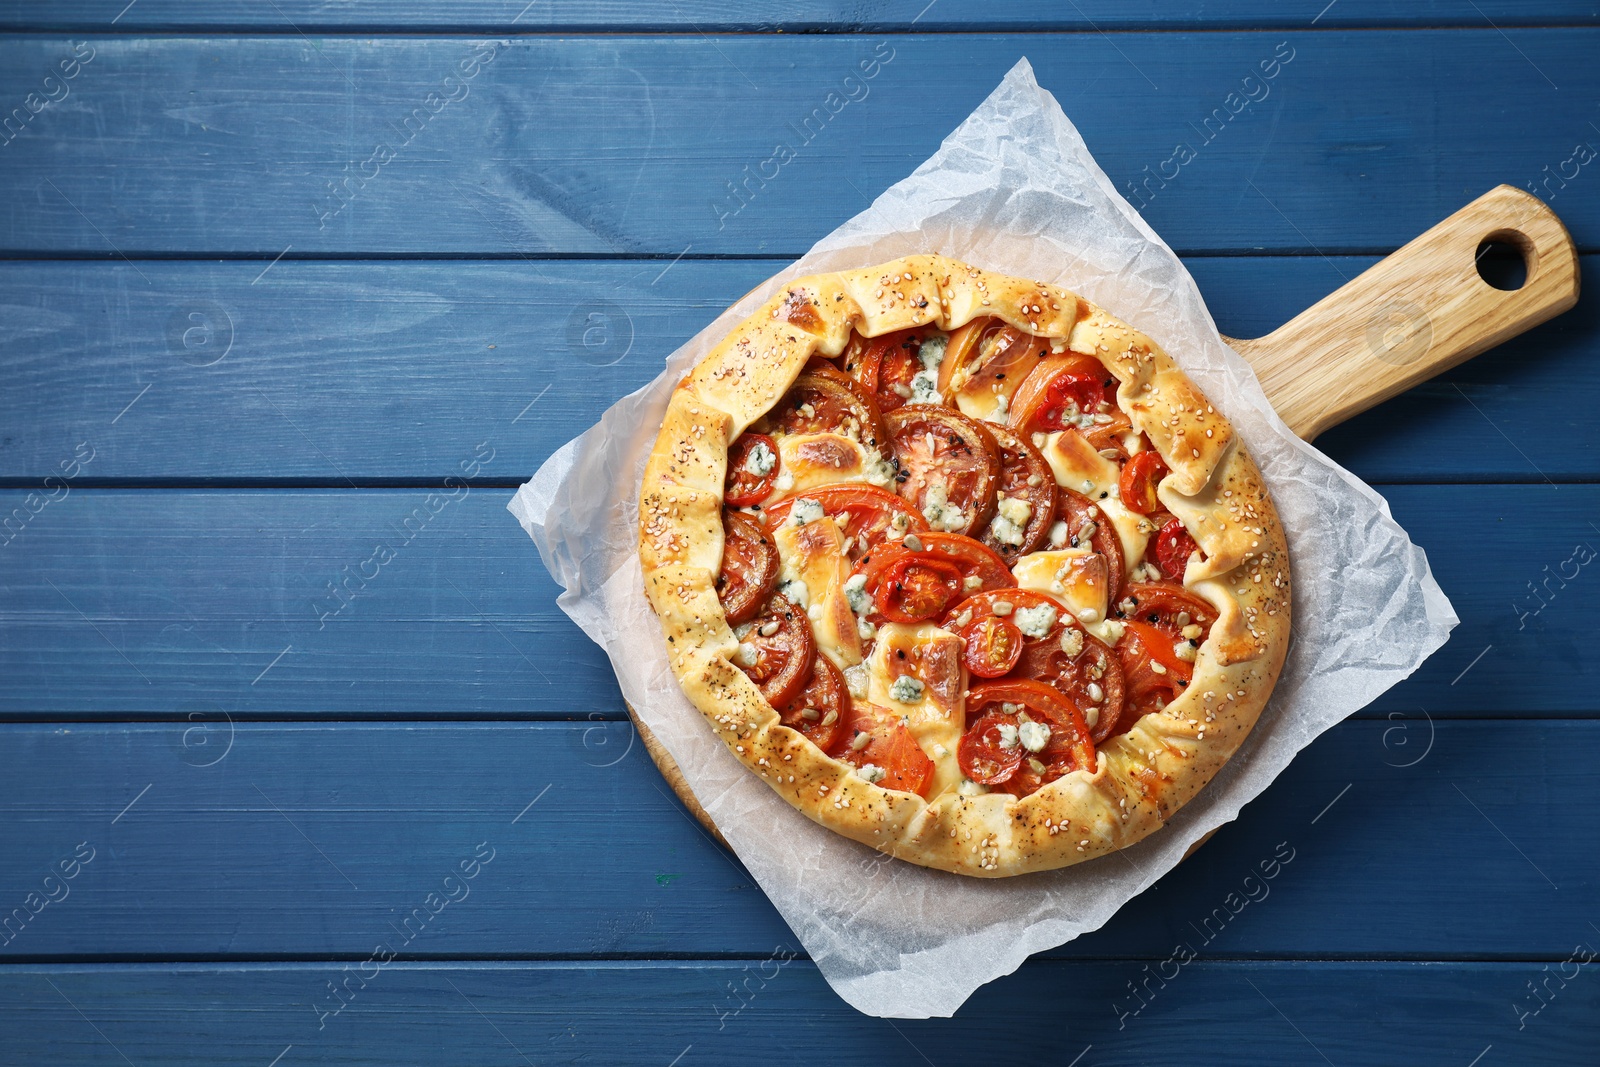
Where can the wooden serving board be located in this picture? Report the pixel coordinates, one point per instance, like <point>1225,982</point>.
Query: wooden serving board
<point>1413,314</point>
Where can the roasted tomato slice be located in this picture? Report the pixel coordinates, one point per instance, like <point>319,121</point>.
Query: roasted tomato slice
<point>908,586</point>
<point>871,515</point>
<point>1168,607</point>
<point>1071,392</point>
<point>753,466</point>
<point>993,646</point>
<point>876,740</point>
<point>1050,732</point>
<point>949,464</point>
<point>1156,675</point>
<point>989,752</point>
<point>776,650</point>
<point>1084,519</point>
<point>1173,548</point>
<point>885,365</point>
<point>988,357</point>
<point>826,400</point>
<point>1058,651</point>
<point>926,573</point>
<point>1137,485</point>
<point>820,710</point>
<point>749,566</point>
<point>1024,476</point>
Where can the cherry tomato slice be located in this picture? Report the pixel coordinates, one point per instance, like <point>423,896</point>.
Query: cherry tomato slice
<point>1080,513</point>
<point>1067,747</point>
<point>823,399</point>
<point>778,662</point>
<point>871,515</point>
<point>1067,657</point>
<point>885,366</point>
<point>983,756</point>
<point>744,486</point>
<point>1173,547</point>
<point>820,710</point>
<point>1025,475</point>
<point>950,466</point>
<point>750,564</point>
<point>962,565</point>
<point>993,646</point>
<point>888,745</point>
<point>1137,484</point>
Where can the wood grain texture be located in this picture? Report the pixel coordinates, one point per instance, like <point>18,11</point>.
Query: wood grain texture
<point>385,372</point>
<point>118,602</point>
<point>238,839</point>
<point>776,1011</point>
<point>1417,312</point>
<point>832,16</point>
<point>622,145</point>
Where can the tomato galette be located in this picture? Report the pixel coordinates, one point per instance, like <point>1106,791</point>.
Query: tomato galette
<point>963,567</point>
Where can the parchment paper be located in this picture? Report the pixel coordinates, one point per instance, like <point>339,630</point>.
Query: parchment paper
<point>1014,190</point>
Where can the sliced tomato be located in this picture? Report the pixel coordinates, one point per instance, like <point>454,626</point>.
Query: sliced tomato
<point>1173,548</point>
<point>885,365</point>
<point>875,736</point>
<point>1137,484</point>
<point>949,464</point>
<point>1067,657</point>
<point>749,566</point>
<point>1025,475</point>
<point>871,515</point>
<point>1080,514</point>
<point>905,581</point>
<point>989,356</point>
<point>744,486</point>
<point>778,662</point>
<point>1155,675</point>
<point>820,710</point>
<point>1067,748</point>
<point>908,586</point>
<point>1059,390</point>
<point>823,399</point>
<point>983,754</point>
<point>1166,606</point>
<point>992,647</point>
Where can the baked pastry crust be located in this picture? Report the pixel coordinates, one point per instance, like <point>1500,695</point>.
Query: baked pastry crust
<point>1145,774</point>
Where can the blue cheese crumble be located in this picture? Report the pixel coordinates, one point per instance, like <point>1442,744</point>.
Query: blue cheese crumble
<point>1010,521</point>
<point>906,690</point>
<point>940,513</point>
<point>872,772</point>
<point>805,510</point>
<point>1035,622</point>
<point>760,460</point>
<point>797,591</point>
<point>855,592</point>
<point>1034,736</point>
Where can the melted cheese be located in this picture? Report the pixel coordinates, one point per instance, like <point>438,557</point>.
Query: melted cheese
<point>817,459</point>
<point>814,554</point>
<point>1078,467</point>
<point>933,657</point>
<point>1074,576</point>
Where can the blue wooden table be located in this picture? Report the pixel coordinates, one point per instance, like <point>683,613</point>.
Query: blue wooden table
<point>299,761</point>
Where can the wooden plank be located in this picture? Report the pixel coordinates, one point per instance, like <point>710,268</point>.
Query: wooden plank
<point>777,1011</point>
<point>382,372</point>
<point>122,602</point>
<point>198,831</point>
<point>615,144</point>
<point>503,16</point>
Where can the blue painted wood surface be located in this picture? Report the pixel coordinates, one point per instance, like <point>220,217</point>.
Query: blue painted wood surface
<point>223,384</point>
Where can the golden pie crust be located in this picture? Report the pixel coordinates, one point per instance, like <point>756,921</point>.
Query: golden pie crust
<point>1145,774</point>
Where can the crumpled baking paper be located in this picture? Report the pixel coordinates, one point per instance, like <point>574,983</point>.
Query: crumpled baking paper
<point>1013,190</point>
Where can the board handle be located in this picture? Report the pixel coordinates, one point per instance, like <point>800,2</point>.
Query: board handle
<point>1415,313</point>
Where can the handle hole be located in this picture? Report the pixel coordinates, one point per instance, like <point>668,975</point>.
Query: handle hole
<point>1504,261</point>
